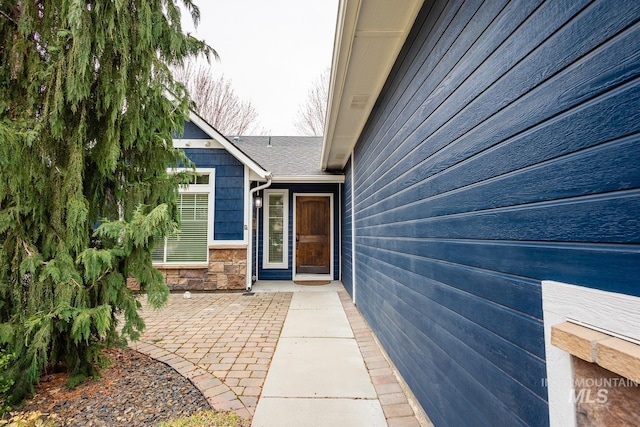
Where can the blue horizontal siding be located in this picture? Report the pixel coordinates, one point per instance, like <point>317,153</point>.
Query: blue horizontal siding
<point>191,131</point>
<point>611,267</point>
<point>496,169</point>
<point>518,293</point>
<point>229,190</point>
<point>599,218</point>
<point>501,320</point>
<point>504,150</point>
<point>489,122</point>
<point>451,344</point>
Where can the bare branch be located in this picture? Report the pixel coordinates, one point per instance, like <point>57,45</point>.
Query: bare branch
<point>217,102</point>
<point>311,114</point>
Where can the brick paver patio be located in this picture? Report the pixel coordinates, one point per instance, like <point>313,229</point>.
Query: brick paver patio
<point>224,343</point>
<point>392,397</point>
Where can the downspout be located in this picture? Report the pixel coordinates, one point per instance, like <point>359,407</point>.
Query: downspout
<point>252,192</point>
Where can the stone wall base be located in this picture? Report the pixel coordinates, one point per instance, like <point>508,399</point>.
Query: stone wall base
<point>227,270</point>
<point>604,398</point>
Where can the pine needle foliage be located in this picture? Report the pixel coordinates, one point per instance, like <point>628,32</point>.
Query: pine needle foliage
<point>85,142</point>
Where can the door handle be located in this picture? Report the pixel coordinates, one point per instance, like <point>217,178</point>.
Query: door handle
<point>297,238</point>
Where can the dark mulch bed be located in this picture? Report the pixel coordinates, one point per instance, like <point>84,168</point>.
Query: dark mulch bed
<point>135,390</point>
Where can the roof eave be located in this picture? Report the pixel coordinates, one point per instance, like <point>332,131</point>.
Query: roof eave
<point>292,179</point>
<point>228,145</point>
<point>369,37</point>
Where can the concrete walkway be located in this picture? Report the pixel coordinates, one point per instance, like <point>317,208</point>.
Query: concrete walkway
<point>288,355</point>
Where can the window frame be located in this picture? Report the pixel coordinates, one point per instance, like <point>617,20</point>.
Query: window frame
<point>285,229</point>
<point>209,190</point>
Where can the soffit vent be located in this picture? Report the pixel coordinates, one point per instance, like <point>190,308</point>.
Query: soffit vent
<point>358,102</point>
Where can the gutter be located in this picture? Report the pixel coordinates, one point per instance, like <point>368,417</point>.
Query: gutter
<point>252,192</point>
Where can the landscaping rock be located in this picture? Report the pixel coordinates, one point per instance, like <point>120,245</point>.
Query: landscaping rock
<point>134,391</point>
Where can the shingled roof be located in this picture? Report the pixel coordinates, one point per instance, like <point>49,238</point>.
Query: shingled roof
<point>288,158</point>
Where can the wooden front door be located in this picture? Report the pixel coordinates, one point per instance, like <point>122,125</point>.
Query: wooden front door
<point>313,235</point>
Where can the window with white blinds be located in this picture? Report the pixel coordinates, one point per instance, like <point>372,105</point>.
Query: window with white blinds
<point>191,243</point>
<point>276,228</point>
<point>276,212</point>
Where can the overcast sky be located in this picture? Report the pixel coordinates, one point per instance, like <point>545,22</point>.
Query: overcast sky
<point>272,50</point>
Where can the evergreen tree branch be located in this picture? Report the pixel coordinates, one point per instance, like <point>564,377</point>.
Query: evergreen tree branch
<point>86,130</point>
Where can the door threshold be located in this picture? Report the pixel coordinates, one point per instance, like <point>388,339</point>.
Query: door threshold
<point>303,277</point>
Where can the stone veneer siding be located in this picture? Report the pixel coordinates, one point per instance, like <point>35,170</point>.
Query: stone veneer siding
<point>227,270</point>
<point>604,398</point>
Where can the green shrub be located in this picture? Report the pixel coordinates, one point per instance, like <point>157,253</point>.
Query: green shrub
<point>5,383</point>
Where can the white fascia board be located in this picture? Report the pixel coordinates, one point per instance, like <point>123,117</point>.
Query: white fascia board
<point>292,179</point>
<point>343,40</point>
<point>196,143</point>
<point>255,177</point>
<point>356,72</point>
<point>228,145</point>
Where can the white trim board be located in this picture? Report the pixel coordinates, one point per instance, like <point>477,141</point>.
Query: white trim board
<point>608,312</point>
<point>196,143</point>
<point>296,179</point>
<point>284,264</point>
<point>353,226</point>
